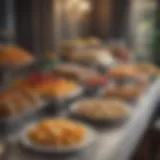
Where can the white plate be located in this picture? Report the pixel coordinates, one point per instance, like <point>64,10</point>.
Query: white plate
<point>74,111</point>
<point>90,137</point>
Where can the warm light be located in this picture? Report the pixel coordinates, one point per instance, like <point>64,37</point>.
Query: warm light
<point>85,6</point>
<point>77,9</point>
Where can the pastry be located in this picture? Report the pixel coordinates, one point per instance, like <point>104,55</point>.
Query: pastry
<point>121,52</point>
<point>11,55</point>
<point>93,42</point>
<point>124,72</point>
<point>149,69</point>
<point>47,85</point>
<point>75,72</point>
<point>96,57</point>
<point>127,92</point>
<point>17,101</point>
<point>101,109</point>
<point>56,133</point>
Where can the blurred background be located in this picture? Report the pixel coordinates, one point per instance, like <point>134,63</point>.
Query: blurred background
<point>45,23</point>
<point>97,43</point>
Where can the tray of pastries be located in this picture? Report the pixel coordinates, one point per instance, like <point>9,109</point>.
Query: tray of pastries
<point>57,135</point>
<point>16,102</point>
<point>101,110</point>
<point>15,62</point>
<point>70,46</point>
<point>125,71</point>
<point>49,86</point>
<point>121,52</point>
<point>128,73</point>
<point>13,56</point>
<point>127,92</point>
<point>17,107</point>
<point>93,57</point>
<point>149,69</point>
<point>74,71</point>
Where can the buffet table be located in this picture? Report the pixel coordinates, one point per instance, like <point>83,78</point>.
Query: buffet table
<point>113,143</point>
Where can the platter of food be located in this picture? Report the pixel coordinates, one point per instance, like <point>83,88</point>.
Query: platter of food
<point>120,52</point>
<point>125,71</point>
<point>128,74</point>
<point>93,85</point>
<point>16,107</point>
<point>125,92</point>
<point>50,86</point>
<point>16,102</point>
<point>13,56</point>
<point>101,110</point>
<point>93,57</point>
<point>150,70</point>
<point>57,136</point>
<point>74,71</point>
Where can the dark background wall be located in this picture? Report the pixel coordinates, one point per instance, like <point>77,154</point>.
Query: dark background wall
<point>7,22</point>
<point>23,12</point>
<point>2,14</point>
<point>40,25</point>
<point>34,25</point>
<point>109,18</point>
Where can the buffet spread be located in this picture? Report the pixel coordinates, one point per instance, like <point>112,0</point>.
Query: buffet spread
<point>92,88</point>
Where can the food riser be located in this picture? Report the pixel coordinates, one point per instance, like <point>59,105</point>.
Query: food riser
<point>12,125</point>
<point>8,75</point>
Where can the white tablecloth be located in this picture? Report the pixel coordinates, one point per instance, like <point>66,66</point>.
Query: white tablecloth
<point>112,144</point>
